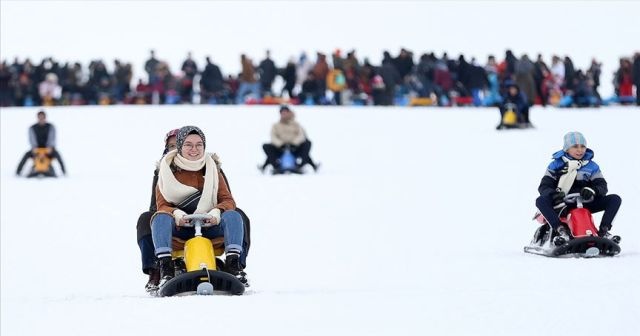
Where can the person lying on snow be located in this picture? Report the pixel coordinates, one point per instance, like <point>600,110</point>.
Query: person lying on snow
<point>574,171</point>
<point>188,172</point>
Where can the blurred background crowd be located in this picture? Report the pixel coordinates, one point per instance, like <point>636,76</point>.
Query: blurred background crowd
<point>336,78</point>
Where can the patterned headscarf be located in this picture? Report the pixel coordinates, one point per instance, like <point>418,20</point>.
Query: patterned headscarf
<point>187,130</point>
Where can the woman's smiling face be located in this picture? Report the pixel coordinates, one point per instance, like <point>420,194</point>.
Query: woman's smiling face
<point>192,148</point>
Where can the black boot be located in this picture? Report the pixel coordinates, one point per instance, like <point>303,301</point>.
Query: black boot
<point>604,231</point>
<point>167,270</point>
<point>232,266</point>
<point>562,237</point>
<point>154,280</point>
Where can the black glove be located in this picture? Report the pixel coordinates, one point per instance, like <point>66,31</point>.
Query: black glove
<point>587,193</point>
<point>558,197</point>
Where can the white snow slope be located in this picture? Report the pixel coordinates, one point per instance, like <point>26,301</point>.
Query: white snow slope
<point>414,226</point>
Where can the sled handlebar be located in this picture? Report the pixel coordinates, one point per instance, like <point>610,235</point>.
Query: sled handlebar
<point>197,221</point>
<point>576,198</point>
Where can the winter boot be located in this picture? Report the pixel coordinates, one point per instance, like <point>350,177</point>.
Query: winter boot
<point>604,233</point>
<point>262,168</point>
<point>232,266</point>
<point>167,270</point>
<point>562,237</point>
<point>154,280</point>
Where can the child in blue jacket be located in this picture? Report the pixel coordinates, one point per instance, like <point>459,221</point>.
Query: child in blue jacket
<point>574,171</point>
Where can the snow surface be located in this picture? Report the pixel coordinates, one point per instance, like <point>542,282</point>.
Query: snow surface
<point>414,226</point>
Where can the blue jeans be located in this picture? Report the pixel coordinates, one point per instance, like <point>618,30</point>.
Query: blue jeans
<point>147,253</point>
<point>245,88</point>
<point>231,227</point>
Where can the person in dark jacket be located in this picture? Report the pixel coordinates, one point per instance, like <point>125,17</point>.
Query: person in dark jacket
<point>143,227</point>
<point>289,75</point>
<point>212,85</point>
<point>42,135</point>
<point>311,93</point>
<point>514,98</point>
<point>391,77</point>
<point>574,171</point>
<point>268,72</point>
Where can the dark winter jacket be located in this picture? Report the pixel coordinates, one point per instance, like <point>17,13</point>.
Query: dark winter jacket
<point>42,135</point>
<point>268,72</point>
<point>636,72</point>
<point>589,175</point>
<point>519,100</point>
<point>212,80</point>
<point>289,75</point>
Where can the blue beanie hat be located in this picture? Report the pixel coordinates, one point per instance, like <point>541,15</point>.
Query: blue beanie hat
<point>572,139</point>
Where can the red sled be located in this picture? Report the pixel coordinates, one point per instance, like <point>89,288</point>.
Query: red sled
<point>583,234</point>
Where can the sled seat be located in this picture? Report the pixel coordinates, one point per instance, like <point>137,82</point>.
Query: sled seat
<point>178,246</point>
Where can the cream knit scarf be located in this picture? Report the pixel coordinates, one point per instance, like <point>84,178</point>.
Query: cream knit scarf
<point>566,180</point>
<point>175,192</point>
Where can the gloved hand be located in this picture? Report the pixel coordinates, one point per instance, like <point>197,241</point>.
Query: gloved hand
<point>178,216</point>
<point>587,193</point>
<point>558,197</point>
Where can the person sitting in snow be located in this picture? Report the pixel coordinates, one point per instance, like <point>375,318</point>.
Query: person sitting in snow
<point>189,172</point>
<point>513,98</point>
<point>287,133</point>
<point>41,135</point>
<point>143,227</point>
<point>574,171</point>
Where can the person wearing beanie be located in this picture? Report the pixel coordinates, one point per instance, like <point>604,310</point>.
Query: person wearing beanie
<point>42,135</point>
<point>287,134</point>
<point>188,173</point>
<point>572,170</point>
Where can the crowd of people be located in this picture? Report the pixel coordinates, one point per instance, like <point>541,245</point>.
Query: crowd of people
<point>336,80</point>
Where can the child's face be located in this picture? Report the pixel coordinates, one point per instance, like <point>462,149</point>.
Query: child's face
<point>577,151</point>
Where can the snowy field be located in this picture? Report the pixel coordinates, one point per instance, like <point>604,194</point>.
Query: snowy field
<point>414,226</point>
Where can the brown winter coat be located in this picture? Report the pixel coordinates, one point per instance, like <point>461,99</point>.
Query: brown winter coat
<point>196,180</point>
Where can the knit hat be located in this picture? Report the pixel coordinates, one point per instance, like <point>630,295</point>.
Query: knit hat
<point>572,139</point>
<point>187,130</point>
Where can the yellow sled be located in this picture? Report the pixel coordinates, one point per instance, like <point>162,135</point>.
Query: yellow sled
<point>201,275</point>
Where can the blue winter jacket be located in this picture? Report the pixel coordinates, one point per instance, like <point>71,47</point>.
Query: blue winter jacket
<point>589,175</point>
